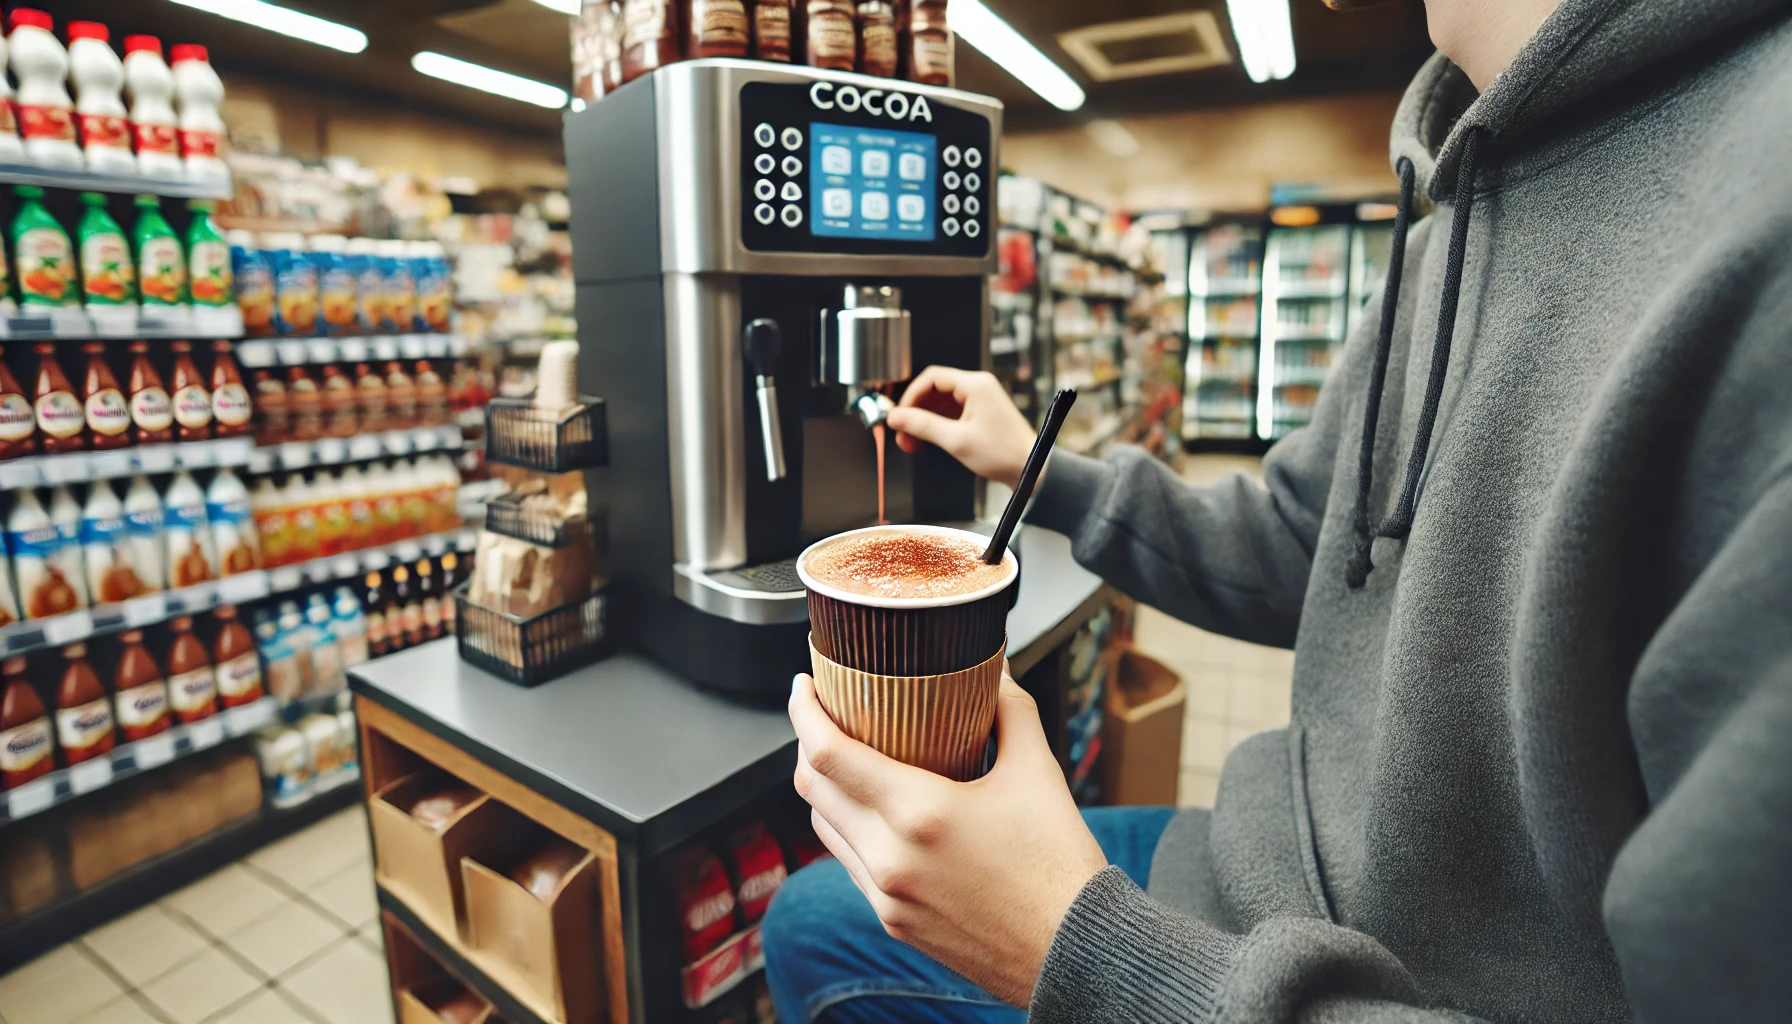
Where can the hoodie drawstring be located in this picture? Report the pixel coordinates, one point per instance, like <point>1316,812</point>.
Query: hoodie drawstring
<point>1399,524</point>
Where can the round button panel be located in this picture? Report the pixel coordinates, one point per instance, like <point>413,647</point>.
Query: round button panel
<point>972,182</point>
<point>764,214</point>
<point>792,138</point>
<point>951,157</point>
<point>949,179</point>
<point>792,192</point>
<point>949,226</point>
<point>950,203</point>
<point>765,163</point>
<point>764,189</point>
<point>972,205</point>
<point>792,167</point>
<point>793,215</point>
<point>973,158</point>
<point>971,228</point>
<point>765,135</point>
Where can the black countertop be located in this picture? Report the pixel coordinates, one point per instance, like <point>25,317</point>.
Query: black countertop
<point>638,749</point>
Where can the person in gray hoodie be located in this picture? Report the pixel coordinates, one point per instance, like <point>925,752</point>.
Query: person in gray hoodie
<point>1533,554</point>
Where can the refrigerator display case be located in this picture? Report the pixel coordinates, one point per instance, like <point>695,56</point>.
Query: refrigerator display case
<point>1370,239</point>
<point>1225,285</point>
<point>1306,278</point>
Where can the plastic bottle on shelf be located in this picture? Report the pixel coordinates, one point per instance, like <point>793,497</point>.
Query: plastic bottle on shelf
<point>432,395</point>
<point>201,129</point>
<point>358,501</point>
<point>83,713</point>
<point>332,514</point>
<point>9,602</point>
<point>192,400</point>
<point>306,403</point>
<point>153,124</point>
<point>98,75</point>
<point>235,662</point>
<point>107,549</point>
<point>192,687</point>
<point>43,256</point>
<point>399,305</point>
<point>18,420</point>
<point>190,553</point>
<point>27,749</point>
<point>108,415</point>
<point>388,503</point>
<point>435,300</point>
<point>12,150</point>
<point>254,280</point>
<point>280,673</point>
<point>401,397</point>
<point>152,411</point>
<point>429,598</point>
<point>300,637</point>
<point>211,275</point>
<point>46,114</point>
<point>413,503</point>
<point>371,400</point>
<point>326,650</point>
<point>295,284</point>
<point>272,417</point>
<point>231,408</point>
<point>49,577</point>
<point>301,508</point>
<point>161,266</point>
<point>450,565</point>
<point>60,419</point>
<point>139,690</point>
<point>404,617</point>
<point>373,606</point>
<point>143,519</point>
<point>338,403</point>
<point>234,534</point>
<point>335,285</point>
<point>360,255</point>
<point>65,514</point>
<point>350,627</point>
<point>108,275</point>
<point>272,524</point>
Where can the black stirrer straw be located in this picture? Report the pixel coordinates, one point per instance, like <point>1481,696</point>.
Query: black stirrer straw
<point>1029,474</point>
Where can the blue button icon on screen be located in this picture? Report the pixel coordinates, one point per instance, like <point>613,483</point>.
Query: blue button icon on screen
<point>852,192</point>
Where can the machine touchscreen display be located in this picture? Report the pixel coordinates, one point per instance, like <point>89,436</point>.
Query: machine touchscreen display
<point>871,183</point>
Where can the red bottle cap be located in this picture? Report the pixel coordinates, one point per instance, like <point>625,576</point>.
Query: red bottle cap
<point>88,30</point>
<point>134,43</point>
<point>27,16</point>
<point>187,51</point>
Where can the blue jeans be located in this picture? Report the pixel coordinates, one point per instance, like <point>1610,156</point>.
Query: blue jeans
<point>828,958</point>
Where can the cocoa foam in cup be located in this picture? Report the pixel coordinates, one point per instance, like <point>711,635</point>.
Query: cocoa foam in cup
<point>907,600</point>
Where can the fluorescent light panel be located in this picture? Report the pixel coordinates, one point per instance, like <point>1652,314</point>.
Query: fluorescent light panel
<point>984,29</point>
<point>1265,37</point>
<point>285,21</point>
<point>499,83</point>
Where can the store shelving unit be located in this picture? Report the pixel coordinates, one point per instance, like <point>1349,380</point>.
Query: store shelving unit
<point>127,184</point>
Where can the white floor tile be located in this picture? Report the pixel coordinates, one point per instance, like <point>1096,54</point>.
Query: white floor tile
<point>1209,691</point>
<point>145,944</point>
<point>1197,789</point>
<point>348,895</point>
<point>1203,744</point>
<point>226,900</point>
<point>1259,700</point>
<point>200,987</point>
<point>347,985</point>
<point>279,942</point>
<point>61,986</point>
<point>123,1010</point>
<point>265,1007</point>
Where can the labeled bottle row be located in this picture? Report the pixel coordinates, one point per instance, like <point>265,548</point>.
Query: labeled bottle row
<point>305,403</point>
<point>65,555</point>
<point>95,130</point>
<point>331,285</point>
<point>100,415</point>
<point>57,709</point>
<point>325,513</point>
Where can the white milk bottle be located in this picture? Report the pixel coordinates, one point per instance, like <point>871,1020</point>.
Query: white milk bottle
<point>190,557</point>
<point>153,124</point>
<point>98,75</point>
<point>45,585</point>
<point>12,151</point>
<point>143,524</point>
<point>106,547</point>
<point>233,525</point>
<point>46,114</point>
<point>201,129</point>
<point>65,513</point>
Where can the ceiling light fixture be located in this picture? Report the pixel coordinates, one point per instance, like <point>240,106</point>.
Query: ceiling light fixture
<point>1113,136</point>
<point>285,21</point>
<point>498,83</point>
<point>1265,37</point>
<point>563,6</point>
<point>984,29</point>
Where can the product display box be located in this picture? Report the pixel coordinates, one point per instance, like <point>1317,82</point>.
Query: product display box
<point>420,864</point>
<point>1142,734</point>
<point>547,942</point>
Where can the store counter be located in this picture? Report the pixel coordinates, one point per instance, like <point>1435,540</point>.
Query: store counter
<point>630,760</point>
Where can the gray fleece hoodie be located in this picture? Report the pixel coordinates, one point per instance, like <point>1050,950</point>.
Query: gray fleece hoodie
<point>1540,765</point>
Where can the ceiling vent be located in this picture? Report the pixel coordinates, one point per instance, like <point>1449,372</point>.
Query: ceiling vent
<point>1163,45</point>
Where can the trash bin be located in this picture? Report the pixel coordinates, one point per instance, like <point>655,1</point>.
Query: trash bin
<point>1142,738</point>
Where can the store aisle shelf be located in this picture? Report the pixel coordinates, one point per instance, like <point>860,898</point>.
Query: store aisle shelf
<point>261,353</point>
<point>330,451</point>
<point>72,627</point>
<point>351,564</point>
<point>96,181</point>
<point>447,951</point>
<point>80,467</point>
<point>130,759</point>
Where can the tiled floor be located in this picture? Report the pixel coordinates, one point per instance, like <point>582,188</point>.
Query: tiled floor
<point>288,936</point>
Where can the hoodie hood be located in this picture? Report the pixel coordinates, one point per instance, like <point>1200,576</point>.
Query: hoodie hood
<point>1582,49</point>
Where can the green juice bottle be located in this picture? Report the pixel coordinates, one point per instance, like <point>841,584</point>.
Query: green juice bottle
<point>108,276</point>
<point>45,256</point>
<point>208,257</point>
<point>161,263</point>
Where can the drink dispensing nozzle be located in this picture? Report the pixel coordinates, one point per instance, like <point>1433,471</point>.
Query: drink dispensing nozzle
<point>761,340</point>
<point>865,345</point>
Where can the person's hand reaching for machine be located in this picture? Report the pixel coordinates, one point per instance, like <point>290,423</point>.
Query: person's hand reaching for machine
<point>969,415</point>
<point>977,875</point>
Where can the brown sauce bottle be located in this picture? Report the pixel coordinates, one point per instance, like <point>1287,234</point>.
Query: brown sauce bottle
<point>238,664</point>
<point>152,411</point>
<point>139,693</point>
<point>718,28</point>
<point>830,36</point>
<point>27,744</point>
<point>771,30</point>
<point>432,395</point>
<point>338,403</point>
<point>927,43</point>
<point>192,689</point>
<point>273,413</point>
<point>401,397</point>
<point>192,400</point>
<point>60,418</point>
<point>370,397</point>
<point>231,409</point>
<point>83,714</point>
<point>306,403</point>
<point>18,421</point>
<point>650,36</point>
<point>877,38</point>
<point>108,417</point>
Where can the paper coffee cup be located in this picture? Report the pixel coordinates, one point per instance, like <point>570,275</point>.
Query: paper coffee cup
<point>937,722</point>
<point>908,636</point>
